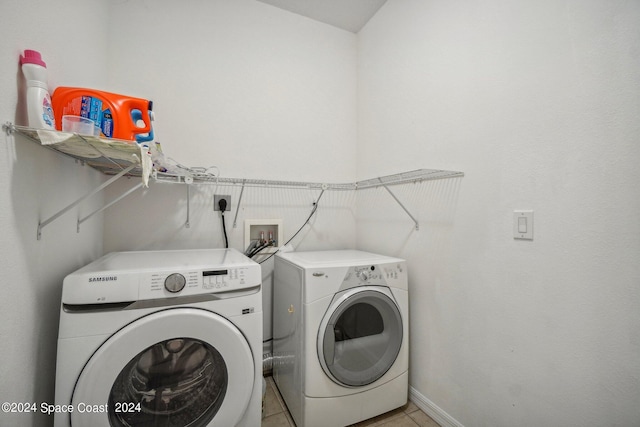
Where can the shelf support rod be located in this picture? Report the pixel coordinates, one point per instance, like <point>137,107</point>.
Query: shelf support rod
<point>401,205</point>
<point>113,202</point>
<point>104,185</point>
<point>188,224</point>
<point>235,218</point>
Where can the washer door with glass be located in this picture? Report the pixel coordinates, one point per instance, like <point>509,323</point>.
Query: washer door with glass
<point>182,367</point>
<point>360,336</point>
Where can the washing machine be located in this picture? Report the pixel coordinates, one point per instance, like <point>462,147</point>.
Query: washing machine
<point>340,335</point>
<point>161,338</point>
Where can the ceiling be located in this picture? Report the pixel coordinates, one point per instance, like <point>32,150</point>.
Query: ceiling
<point>350,15</point>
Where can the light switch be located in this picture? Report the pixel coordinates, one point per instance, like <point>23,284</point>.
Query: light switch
<point>523,225</point>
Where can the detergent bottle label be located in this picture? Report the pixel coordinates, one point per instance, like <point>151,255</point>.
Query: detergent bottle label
<point>91,108</point>
<point>47,111</point>
<point>106,123</point>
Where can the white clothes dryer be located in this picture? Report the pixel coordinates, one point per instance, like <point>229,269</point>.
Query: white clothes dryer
<point>341,335</point>
<point>161,338</point>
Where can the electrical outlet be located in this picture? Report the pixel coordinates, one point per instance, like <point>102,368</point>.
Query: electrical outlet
<point>216,202</point>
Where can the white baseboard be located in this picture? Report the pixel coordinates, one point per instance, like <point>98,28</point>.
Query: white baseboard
<point>431,409</point>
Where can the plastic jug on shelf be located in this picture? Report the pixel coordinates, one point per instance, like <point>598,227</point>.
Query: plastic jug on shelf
<point>116,116</point>
<point>39,107</point>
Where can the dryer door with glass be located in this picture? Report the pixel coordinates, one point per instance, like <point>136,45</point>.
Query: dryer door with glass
<point>175,367</point>
<point>360,336</point>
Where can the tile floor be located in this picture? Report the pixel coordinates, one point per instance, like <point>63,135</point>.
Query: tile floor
<point>276,414</point>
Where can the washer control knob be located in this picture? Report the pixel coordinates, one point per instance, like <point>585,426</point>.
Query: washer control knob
<point>175,282</point>
<point>363,276</point>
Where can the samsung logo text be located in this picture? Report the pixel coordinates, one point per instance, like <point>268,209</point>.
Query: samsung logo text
<point>103,279</point>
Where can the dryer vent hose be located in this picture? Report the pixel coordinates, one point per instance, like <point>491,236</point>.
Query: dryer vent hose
<point>267,363</point>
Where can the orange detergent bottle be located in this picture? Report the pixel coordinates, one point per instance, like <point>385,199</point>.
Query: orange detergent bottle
<point>110,112</point>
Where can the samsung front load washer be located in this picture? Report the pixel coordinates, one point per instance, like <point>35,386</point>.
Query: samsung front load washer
<point>340,335</point>
<point>161,338</point>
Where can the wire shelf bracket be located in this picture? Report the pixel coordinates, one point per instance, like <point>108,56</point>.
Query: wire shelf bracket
<point>43,224</point>
<point>235,218</point>
<point>403,207</point>
<point>187,223</point>
<point>111,203</point>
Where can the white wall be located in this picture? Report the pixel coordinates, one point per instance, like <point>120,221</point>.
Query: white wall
<point>252,89</point>
<point>257,91</point>
<point>538,103</point>
<point>34,184</point>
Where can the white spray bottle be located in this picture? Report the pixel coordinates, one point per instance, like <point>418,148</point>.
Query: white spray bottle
<point>39,109</point>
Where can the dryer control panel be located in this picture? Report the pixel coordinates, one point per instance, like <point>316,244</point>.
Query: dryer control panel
<point>373,275</point>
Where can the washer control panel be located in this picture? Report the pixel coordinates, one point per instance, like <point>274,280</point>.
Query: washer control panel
<point>223,279</point>
<point>147,275</point>
<point>194,282</point>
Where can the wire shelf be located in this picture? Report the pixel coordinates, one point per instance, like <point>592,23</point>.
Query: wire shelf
<point>126,158</point>
<point>112,156</point>
<point>408,177</point>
